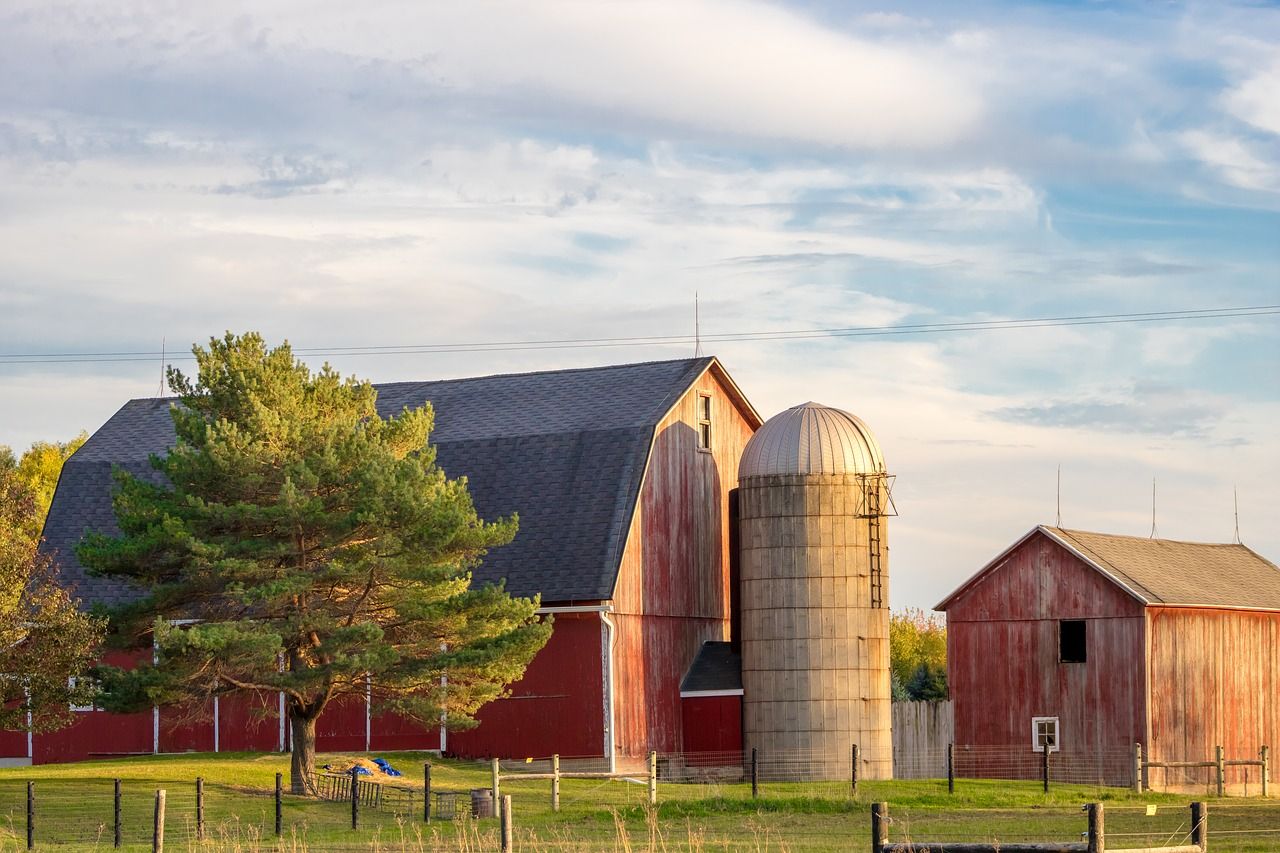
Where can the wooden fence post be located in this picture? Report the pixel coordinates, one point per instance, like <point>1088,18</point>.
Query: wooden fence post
<point>1221,769</point>
<point>1097,829</point>
<point>495,791</point>
<point>951,768</point>
<point>755,774</point>
<point>355,797</point>
<point>506,823</point>
<point>279,804</point>
<point>117,813</point>
<point>1044,767</point>
<point>1137,768</point>
<point>31,815</point>
<point>853,769</point>
<point>879,826</point>
<point>1200,825</point>
<point>1266,770</point>
<point>653,777</point>
<point>200,805</point>
<point>157,827</point>
<point>426,792</point>
<point>555,782</point>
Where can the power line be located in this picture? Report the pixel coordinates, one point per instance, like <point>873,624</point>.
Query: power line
<point>684,340</point>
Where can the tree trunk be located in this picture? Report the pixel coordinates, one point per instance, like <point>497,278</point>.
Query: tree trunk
<point>302,769</point>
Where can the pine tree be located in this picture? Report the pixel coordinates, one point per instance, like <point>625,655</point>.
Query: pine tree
<point>306,545</point>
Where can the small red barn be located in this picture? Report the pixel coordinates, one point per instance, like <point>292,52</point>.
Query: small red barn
<point>621,476</point>
<point>1092,642</point>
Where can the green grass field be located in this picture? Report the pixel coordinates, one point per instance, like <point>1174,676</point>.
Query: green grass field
<point>74,812</point>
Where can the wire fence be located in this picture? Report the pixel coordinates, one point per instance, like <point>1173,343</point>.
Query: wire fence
<point>815,801</point>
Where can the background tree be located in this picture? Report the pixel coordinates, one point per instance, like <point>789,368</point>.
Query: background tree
<point>917,655</point>
<point>320,548</point>
<point>46,642</point>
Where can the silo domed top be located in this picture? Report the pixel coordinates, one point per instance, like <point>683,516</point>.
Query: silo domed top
<point>811,439</point>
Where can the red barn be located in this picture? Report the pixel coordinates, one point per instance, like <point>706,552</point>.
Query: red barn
<point>621,477</point>
<point>1091,643</point>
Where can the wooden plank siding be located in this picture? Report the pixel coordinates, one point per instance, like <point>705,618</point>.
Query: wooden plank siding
<point>673,587</point>
<point>1215,681</point>
<point>1003,656</point>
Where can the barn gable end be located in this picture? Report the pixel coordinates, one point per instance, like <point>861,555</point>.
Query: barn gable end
<point>1003,652</point>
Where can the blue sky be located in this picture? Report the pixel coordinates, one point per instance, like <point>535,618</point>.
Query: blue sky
<point>433,173</point>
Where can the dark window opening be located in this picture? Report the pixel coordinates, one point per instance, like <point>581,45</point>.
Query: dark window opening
<point>1071,641</point>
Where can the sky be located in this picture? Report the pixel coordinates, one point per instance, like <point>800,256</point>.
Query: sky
<point>396,173</point>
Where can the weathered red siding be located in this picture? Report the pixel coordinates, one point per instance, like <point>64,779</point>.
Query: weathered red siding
<point>249,723</point>
<point>557,707</point>
<point>1215,681</point>
<point>711,724</point>
<point>673,587</point>
<point>1002,654</point>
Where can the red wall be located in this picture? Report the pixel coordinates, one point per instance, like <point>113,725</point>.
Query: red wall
<point>1215,679</point>
<point>558,707</point>
<point>1002,654</point>
<point>711,723</point>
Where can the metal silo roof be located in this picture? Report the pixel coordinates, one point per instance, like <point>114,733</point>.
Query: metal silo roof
<point>812,439</point>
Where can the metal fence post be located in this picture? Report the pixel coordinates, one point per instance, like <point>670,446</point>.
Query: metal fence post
<point>1097,830</point>
<point>426,792</point>
<point>951,768</point>
<point>355,798</point>
<point>879,826</point>
<point>1044,769</point>
<point>853,769</point>
<point>495,791</point>
<point>653,777</point>
<point>157,827</point>
<point>555,782</point>
<point>31,815</point>
<point>1137,768</point>
<point>755,774</point>
<point>279,804</point>
<point>1220,768</point>
<point>1200,825</point>
<point>117,813</point>
<point>506,823</point>
<point>200,805</point>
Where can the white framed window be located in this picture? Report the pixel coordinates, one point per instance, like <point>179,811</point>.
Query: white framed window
<point>704,421</point>
<point>71,683</point>
<point>1044,732</point>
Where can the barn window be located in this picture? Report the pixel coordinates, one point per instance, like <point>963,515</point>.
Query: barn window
<point>72,683</point>
<point>704,421</point>
<point>1071,641</point>
<point>1044,733</point>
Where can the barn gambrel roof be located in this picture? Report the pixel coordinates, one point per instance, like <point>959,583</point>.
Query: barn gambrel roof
<point>565,449</point>
<point>1163,572</point>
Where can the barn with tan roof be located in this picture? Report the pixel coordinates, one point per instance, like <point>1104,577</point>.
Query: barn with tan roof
<point>1087,644</point>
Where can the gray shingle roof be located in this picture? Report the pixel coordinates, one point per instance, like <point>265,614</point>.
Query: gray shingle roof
<point>565,449</point>
<point>1165,571</point>
<point>716,669</point>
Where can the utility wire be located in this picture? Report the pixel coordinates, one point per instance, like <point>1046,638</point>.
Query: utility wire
<point>684,340</point>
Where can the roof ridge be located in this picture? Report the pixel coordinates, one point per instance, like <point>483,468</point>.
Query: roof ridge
<point>1068,530</point>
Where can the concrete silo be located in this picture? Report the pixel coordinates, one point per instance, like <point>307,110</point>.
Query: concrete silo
<point>813,497</point>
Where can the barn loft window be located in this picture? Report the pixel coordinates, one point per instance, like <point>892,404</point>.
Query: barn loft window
<point>704,421</point>
<point>1071,641</point>
<point>72,683</point>
<point>1044,733</point>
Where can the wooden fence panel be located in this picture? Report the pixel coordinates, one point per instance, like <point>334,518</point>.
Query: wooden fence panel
<point>921,732</point>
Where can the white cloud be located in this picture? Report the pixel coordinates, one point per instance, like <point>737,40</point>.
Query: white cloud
<point>1256,99</point>
<point>1235,158</point>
